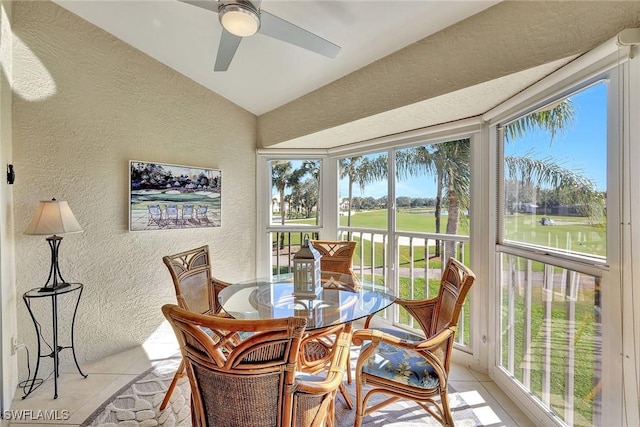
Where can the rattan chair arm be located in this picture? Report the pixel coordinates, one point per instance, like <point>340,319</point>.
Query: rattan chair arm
<point>438,345</point>
<point>217,286</point>
<point>215,280</point>
<point>376,336</point>
<point>414,304</point>
<point>437,340</point>
<point>335,372</point>
<point>327,385</point>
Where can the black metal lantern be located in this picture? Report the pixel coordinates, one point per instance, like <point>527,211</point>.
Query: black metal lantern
<point>306,270</point>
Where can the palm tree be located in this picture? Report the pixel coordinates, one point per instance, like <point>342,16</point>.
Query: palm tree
<point>456,159</point>
<point>284,176</point>
<point>351,168</point>
<point>449,162</point>
<point>280,177</point>
<point>527,170</point>
<point>311,167</point>
<point>348,169</point>
<point>361,170</point>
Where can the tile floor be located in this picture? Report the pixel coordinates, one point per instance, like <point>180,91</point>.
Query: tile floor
<point>79,397</point>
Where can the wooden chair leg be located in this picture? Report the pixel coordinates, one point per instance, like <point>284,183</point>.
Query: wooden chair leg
<point>349,329</point>
<point>347,397</point>
<point>447,417</point>
<point>179,374</point>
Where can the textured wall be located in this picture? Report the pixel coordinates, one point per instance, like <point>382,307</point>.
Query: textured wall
<point>7,259</point>
<point>509,37</point>
<point>84,104</point>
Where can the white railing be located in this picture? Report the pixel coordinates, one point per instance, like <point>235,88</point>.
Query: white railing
<point>551,336</point>
<point>417,276</point>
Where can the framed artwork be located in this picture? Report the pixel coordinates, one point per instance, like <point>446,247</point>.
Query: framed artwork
<point>165,197</point>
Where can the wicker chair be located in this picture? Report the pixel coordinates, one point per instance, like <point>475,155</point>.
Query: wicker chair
<point>196,290</point>
<point>336,255</point>
<point>406,366</point>
<point>252,382</point>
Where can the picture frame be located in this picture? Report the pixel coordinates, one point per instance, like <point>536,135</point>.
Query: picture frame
<point>164,196</point>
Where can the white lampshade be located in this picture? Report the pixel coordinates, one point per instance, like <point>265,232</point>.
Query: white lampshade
<point>53,217</point>
<point>239,19</point>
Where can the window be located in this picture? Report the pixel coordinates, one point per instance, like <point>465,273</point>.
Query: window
<point>551,340</point>
<point>295,190</point>
<point>406,244</point>
<point>553,218</point>
<point>294,208</point>
<point>432,198</point>
<point>555,163</point>
<point>363,188</point>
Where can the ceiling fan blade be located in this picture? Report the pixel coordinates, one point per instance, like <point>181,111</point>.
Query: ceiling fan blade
<point>211,5</point>
<point>278,28</point>
<point>226,50</point>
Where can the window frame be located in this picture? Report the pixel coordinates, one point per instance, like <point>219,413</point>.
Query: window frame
<point>606,58</point>
<point>513,246</point>
<point>279,227</point>
<point>264,198</point>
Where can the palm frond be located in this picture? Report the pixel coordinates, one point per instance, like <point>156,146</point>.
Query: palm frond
<point>554,119</point>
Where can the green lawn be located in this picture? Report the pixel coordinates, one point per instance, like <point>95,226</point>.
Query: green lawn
<point>419,220</point>
<point>570,233</point>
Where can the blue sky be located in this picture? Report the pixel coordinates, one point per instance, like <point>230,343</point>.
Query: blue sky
<point>581,147</point>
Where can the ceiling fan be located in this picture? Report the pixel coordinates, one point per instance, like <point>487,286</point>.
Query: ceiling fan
<point>244,18</point>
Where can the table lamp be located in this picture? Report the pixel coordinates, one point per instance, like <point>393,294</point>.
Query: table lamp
<point>53,217</point>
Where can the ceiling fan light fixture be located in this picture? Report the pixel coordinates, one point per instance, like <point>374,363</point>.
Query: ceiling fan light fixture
<point>239,19</point>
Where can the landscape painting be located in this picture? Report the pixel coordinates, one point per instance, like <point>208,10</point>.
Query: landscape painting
<point>165,197</point>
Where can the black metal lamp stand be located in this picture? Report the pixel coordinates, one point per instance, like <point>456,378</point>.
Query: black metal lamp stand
<point>55,280</point>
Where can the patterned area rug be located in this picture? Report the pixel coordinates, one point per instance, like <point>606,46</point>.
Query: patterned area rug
<point>137,405</point>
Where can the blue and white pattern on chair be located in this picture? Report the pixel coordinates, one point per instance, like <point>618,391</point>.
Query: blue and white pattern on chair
<point>401,365</point>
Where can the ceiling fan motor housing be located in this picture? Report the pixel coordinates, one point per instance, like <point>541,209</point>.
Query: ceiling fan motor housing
<point>240,18</point>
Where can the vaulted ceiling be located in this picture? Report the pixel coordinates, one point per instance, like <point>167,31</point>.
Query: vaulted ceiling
<point>267,73</point>
<point>403,65</point>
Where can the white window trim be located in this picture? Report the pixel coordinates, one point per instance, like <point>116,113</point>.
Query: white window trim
<point>628,154</point>
<point>263,199</point>
<point>579,72</point>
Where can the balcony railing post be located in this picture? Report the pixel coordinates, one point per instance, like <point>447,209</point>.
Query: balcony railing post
<point>527,350</point>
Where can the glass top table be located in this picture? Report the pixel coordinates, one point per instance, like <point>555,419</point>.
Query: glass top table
<point>342,299</point>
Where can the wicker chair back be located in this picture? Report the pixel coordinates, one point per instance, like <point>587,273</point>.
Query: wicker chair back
<point>337,256</point>
<point>246,383</point>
